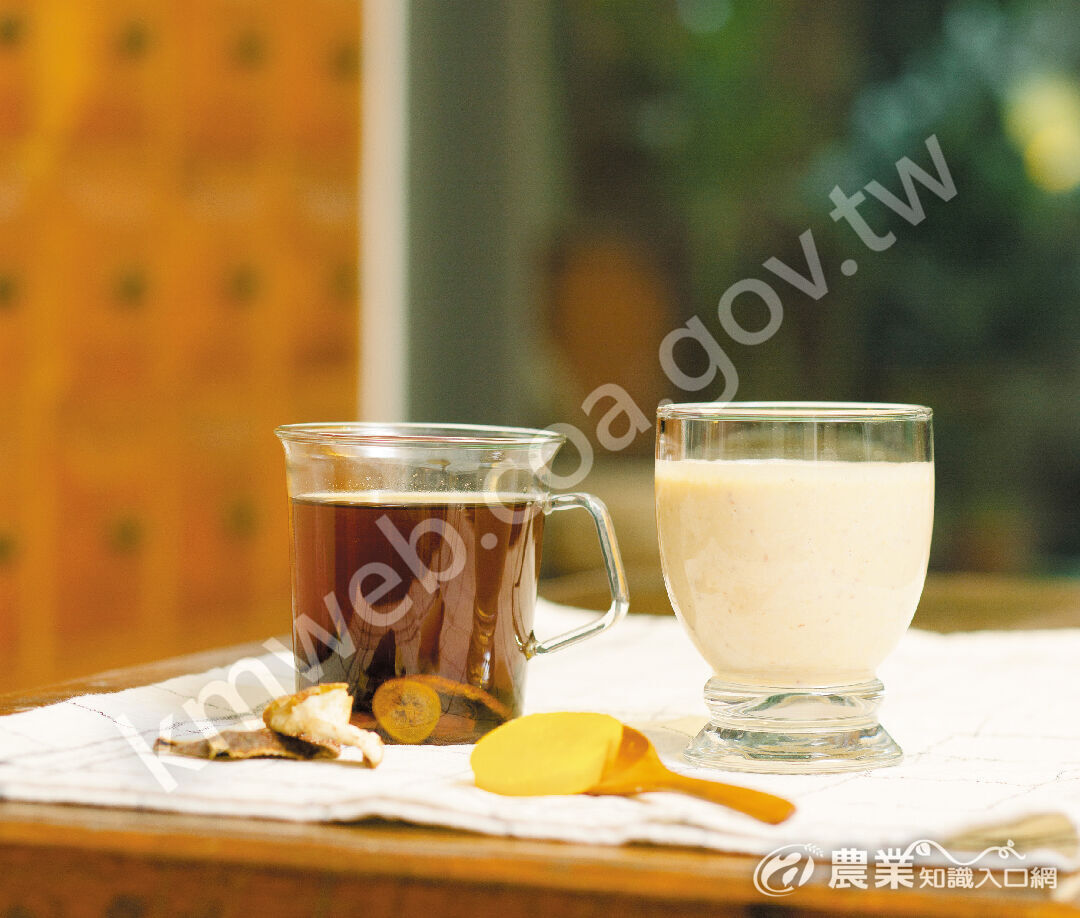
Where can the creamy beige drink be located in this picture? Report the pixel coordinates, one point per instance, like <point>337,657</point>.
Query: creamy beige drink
<point>794,572</point>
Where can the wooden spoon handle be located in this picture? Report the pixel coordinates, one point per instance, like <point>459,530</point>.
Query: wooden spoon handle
<point>766,807</point>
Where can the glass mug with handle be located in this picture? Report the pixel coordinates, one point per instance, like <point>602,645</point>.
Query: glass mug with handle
<point>794,539</point>
<point>415,560</point>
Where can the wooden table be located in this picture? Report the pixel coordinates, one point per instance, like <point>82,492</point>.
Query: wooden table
<point>74,860</point>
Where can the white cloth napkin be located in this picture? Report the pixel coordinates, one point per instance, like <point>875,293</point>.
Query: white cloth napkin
<point>988,722</point>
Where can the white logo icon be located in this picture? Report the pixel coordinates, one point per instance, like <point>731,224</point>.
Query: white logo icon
<point>784,870</point>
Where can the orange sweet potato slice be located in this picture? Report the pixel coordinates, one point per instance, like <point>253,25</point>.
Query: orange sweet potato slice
<point>560,753</point>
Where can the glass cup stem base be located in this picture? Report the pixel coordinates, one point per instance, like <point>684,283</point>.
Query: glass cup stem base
<point>793,729</point>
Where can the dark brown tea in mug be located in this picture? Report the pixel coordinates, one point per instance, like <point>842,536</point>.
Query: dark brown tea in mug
<point>441,586</point>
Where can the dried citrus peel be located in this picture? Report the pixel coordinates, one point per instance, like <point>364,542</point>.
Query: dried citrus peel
<point>311,724</point>
<point>248,744</point>
<point>462,689</point>
<point>406,709</point>
<point>561,753</point>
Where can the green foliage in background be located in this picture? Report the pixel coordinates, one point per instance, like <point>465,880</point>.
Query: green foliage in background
<point>724,125</point>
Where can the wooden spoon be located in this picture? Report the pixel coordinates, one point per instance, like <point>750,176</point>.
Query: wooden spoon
<point>637,768</point>
<point>570,752</point>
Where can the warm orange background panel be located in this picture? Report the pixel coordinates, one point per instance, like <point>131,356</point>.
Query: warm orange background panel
<point>178,251</point>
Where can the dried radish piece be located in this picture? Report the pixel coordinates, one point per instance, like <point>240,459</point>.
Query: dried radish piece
<point>561,753</point>
<point>320,715</point>
<point>248,744</point>
<point>407,709</point>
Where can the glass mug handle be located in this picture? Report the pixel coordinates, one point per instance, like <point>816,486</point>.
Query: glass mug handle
<point>620,596</point>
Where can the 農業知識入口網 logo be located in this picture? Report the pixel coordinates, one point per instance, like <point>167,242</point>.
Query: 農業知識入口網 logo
<point>784,870</point>
<point>789,867</point>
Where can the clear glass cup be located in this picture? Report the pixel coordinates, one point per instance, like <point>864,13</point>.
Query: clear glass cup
<point>794,538</point>
<point>416,555</point>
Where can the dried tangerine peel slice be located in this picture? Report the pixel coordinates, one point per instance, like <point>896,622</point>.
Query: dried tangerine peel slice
<point>561,753</point>
<point>407,709</point>
<point>248,744</point>
<point>464,690</point>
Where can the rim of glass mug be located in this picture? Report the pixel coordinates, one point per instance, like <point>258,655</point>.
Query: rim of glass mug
<point>481,444</point>
<point>794,411</point>
<point>454,436</point>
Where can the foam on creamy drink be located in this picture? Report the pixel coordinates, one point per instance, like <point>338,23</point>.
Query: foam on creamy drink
<point>794,572</point>
<point>441,585</point>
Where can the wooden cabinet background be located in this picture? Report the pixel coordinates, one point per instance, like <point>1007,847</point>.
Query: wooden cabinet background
<point>178,251</point>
